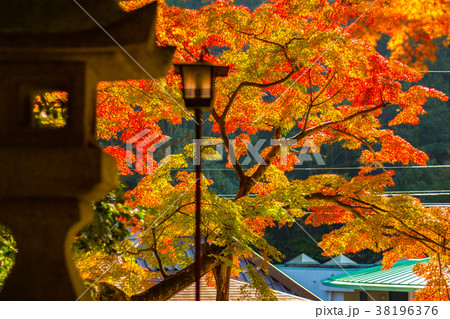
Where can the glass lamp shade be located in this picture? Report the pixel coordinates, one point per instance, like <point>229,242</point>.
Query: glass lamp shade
<point>198,83</point>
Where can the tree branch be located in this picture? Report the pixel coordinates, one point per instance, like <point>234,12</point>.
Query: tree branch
<point>182,279</point>
<point>355,137</point>
<point>324,88</point>
<point>155,252</point>
<point>223,133</point>
<point>335,199</point>
<point>166,289</point>
<point>325,125</point>
<point>334,94</point>
<point>252,84</point>
<point>424,240</point>
<point>249,182</point>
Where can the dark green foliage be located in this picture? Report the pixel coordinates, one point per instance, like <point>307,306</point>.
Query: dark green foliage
<point>108,227</point>
<point>432,136</point>
<point>292,241</point>
<point>7,253</point>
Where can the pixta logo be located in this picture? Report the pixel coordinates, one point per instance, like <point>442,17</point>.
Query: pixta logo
<point>306,153</point>
<point>143,141</point>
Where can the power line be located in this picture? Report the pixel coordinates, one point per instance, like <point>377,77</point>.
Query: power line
<point>427,191</point>
<point>359,167</point>
<point>337,168</point>
<point>437,192</point>
<point>418,194</point>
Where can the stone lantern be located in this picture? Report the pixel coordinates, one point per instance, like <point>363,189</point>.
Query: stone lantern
<point>49,176</point>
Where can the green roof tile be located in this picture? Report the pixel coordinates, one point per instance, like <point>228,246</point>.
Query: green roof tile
<point>399,278</point>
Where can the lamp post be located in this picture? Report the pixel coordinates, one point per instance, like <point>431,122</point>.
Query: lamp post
<point>198,95</point>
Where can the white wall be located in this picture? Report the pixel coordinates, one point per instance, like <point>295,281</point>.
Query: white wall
<point>310,278</point>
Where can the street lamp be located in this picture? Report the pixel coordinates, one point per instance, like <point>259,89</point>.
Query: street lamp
<point>198,94</point>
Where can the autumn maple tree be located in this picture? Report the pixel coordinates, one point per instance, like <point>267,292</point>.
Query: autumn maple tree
<point>303,71</point>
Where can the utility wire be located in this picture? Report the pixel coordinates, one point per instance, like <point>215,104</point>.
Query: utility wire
<point>414,192</point>
<point>392,193</point>
<point>336,168</point>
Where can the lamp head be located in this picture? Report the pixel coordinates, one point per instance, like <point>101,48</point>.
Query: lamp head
<point>198,83</point>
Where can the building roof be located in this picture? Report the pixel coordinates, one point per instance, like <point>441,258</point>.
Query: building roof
<point>399,278</point>
<point>341,261</point>
<point>275,279</point>
<point>302,260</point>
<point>239,291</point>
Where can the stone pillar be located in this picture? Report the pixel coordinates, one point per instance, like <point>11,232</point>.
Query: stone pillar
<point>44,229</point>
<point>48,177</point>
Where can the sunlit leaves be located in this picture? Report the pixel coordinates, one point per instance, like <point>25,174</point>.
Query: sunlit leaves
<point>436,274</point>
<point>50,109</point>
<point>299,70</point>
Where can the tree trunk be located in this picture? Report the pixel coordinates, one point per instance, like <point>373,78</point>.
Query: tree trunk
<point>222,275</point>
<point>167,288</point>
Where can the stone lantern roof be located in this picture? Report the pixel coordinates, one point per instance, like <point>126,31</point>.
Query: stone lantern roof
<point>55,16</point>
<point>117,45</point>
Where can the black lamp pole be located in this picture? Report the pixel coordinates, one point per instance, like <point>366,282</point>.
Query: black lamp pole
<point>198,196</point>
<point>198,94</point>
